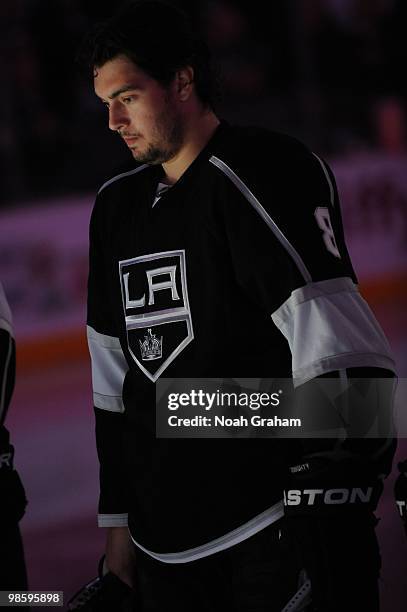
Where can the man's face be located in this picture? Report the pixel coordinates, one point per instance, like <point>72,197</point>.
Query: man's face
<point>141,110</point>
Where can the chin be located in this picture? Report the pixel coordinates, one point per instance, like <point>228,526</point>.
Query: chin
<point>150,157</point>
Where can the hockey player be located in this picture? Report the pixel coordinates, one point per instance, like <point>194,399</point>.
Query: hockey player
<point>224,245</point>
<point>12,496</point>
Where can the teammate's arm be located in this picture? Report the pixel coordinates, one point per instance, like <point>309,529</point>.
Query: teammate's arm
<point>13,502</point>
<point>12,495</point>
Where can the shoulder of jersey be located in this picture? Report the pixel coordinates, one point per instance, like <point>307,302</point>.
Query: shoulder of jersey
<point>123,178</point>
<point>259,150</point>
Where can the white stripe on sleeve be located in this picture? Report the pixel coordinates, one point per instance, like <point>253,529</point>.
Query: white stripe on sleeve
<point>109,368</point>
<point>6,321</point>
<point>112,520</point>
<point>329,327</point>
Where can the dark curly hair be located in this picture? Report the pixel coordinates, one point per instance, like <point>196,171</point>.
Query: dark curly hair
<point>159,39</point>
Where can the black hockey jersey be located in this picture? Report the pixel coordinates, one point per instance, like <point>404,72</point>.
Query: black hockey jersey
<point>240,269</point>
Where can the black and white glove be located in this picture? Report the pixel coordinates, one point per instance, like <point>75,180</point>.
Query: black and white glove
<point>400,492</point>
<point>329,515</point>
<point>330,497</point>
<point>105,593</point>
<point>13,499</point>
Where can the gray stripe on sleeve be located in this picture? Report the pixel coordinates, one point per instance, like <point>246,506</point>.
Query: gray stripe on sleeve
<point>109,368</point>
<point>6,320</point>
<point>329,326</point>
<point>5,379</point>
<point>112,520</point>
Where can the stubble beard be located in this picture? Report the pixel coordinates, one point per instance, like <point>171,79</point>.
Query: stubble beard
<point>166,140</point>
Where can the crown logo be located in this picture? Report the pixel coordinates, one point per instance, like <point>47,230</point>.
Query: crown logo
<point>151,347</point>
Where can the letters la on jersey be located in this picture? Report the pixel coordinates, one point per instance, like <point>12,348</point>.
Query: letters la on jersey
<point>156,309</point>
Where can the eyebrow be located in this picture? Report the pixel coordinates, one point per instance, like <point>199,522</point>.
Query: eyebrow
<point>127,87</point>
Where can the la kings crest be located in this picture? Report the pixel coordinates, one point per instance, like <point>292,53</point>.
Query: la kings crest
<point>156,308</point>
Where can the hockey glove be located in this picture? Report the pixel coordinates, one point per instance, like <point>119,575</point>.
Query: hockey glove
<point>106,593</point>
<point>400,492</point>
<point>333,489</point>
<point>331,521</point>
<point>13,499</point>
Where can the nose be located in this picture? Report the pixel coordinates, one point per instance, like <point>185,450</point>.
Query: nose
<point>118,117</point>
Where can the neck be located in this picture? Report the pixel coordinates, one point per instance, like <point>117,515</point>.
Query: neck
<point>196,136</point>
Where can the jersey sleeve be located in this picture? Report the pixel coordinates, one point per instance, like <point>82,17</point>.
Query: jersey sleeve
<point>13,499</point>
<point>284,231</point>
<point>7,356</point>
<point>109,368</point>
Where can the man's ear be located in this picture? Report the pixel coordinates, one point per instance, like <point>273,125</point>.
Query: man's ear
<point>184,82</point>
